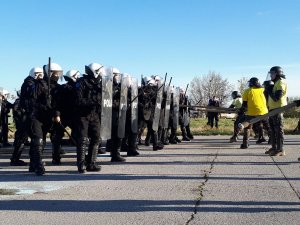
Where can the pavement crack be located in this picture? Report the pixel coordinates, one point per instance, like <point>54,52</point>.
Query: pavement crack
<point>286,178</point>
<point>200,188</point>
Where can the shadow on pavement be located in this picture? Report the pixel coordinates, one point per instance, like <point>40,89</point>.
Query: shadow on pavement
<point>146,205</point>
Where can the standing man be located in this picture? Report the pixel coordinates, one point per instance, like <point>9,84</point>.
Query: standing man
<point>276,99</point>
<point>213,116</point>
<point>254,104</point>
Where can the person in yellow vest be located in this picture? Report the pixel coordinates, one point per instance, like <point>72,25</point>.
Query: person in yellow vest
<point>236,104</point>
<point>276,99</point>
<point>254,104</point>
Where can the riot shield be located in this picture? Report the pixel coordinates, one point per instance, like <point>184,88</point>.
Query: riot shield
<point>186,117</point>
<point>106,103</point>
<point>1,96</point>
<point>167,108</point>
<point>176,107</point>
<point>186,114</point>
<point>134,105</point>
<point>157,109</point>
<point>123,106</point>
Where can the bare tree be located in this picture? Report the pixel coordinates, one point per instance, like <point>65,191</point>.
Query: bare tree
<point>205,87</point>
<point>242,84</point>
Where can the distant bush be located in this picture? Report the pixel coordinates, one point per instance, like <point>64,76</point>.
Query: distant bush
<point>294,112</point>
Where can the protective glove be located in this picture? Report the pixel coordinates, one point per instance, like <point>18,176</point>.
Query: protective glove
<point>242,111</point>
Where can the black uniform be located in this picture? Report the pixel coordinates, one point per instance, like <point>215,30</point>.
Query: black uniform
<point>88,103</point>
<point>129,141</point>
<point>5,110</point>
<point>141,120</point>
<point>21,134</point>
<point>213,115</point>
<point>41,114</point>
<point>187,127</point>
<point>66,105</point>
<point>22,111</point>
<point>149,99</point>
<point>164,131</point>
<point>115,140</point>
<point>56,129</point>
<point>182,109</point>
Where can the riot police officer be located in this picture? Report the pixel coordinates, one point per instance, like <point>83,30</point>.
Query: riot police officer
<point>149,102</point>
<point>88,103</point>
<point>131,129</point>
<point>5,110</point>
<point>42,114</point>
<point>115,139</point>
<point>182,112</point>
<point>66,105</point>
<point>254,104</point>
<point>21,112</point>
<point>277,97</point>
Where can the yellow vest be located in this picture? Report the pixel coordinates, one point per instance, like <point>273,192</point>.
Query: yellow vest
<point>279,85</point>
<point>256,101</point>
<point>237,103</point>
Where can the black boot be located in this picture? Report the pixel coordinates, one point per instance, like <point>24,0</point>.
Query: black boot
<point>92,158</point>
<point>156,145</point>
<point>37,160</point>
<point>117,158</point>
<point>184,134</point>
<point>132,145</point>
<point>177,139</point>
<point>81,149</point>
<point>147,139</point>
<point>246,135</point>
<point>15,159</point>
<point>188,132</point>
<point>56,149</point>
<point>115,153</point>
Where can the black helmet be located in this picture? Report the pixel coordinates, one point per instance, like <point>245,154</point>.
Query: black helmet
<point>254,82</point>
<point>235,94</point>
<point>277,70</point>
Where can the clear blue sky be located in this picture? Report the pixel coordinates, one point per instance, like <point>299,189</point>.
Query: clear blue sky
<point>185,38</point>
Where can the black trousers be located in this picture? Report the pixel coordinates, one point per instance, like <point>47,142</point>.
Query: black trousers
<point>212,116</point>
<point>276,132</point>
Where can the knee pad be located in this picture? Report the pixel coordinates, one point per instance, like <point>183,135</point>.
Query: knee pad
<point>37,141</point>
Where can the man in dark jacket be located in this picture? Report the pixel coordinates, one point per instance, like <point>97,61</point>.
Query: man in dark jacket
<point>213,116</point>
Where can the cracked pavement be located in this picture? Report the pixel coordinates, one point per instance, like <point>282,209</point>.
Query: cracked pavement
<point>206,181</point>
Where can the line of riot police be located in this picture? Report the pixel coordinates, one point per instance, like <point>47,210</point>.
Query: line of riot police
<point>100,106</point>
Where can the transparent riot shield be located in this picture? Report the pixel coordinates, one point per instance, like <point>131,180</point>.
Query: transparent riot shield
<point>186,114</point>
<point>176,107</point>
<point>167,108</point>
<point>186,117</point>
<point>123,106</point>
<point>134,105</point>
<point>106,104</point>
<point>1,96</point>
<point>157,109</point>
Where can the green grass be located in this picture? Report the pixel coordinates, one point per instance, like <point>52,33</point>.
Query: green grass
<point>199,126</point>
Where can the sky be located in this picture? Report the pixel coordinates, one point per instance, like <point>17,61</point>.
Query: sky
<point>184,38</point>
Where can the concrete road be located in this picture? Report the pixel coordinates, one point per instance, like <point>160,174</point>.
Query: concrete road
<point>206,181</point>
